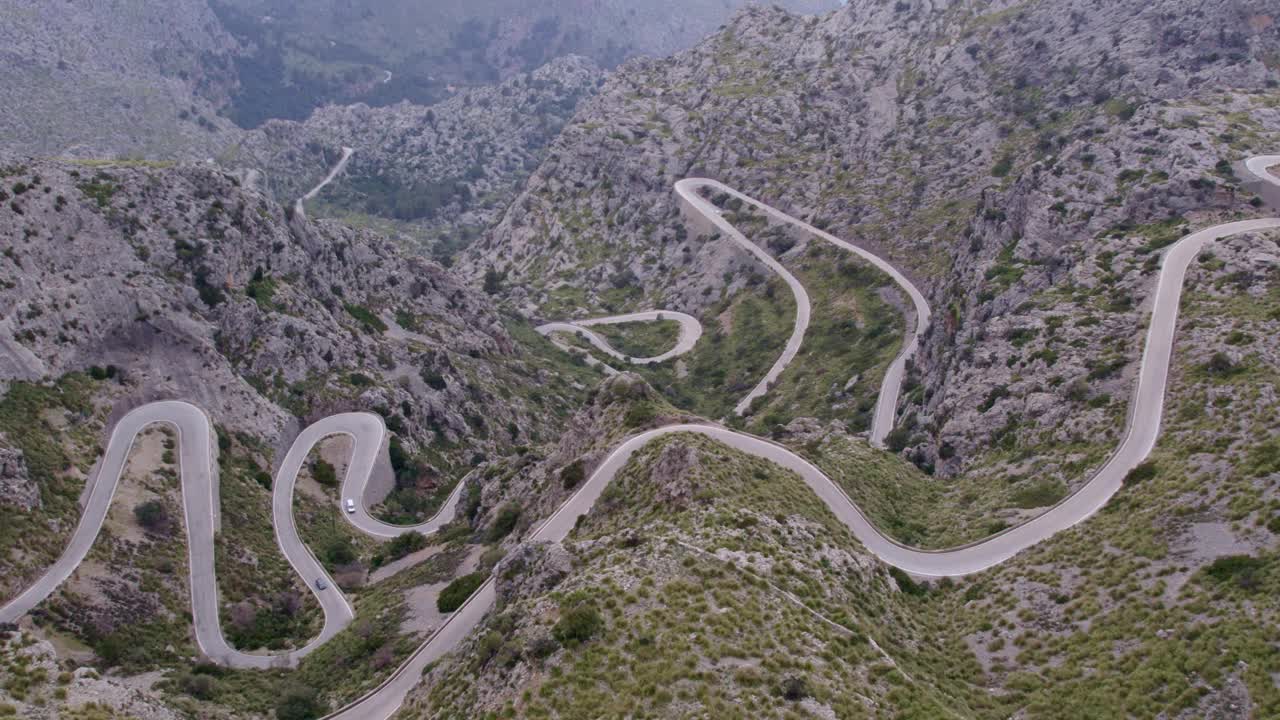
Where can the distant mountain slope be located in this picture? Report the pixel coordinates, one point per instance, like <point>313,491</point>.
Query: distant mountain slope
<point>102,77</point>
<point>172,80</point>
<point>306,53</point>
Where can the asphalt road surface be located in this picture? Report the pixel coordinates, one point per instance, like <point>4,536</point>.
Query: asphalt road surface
<point>690,331</point>
<point>342,163</point>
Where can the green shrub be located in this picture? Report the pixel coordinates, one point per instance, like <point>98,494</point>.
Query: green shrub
<point>1220,365</point>
<point>898,439</point>
<point>641,413</point>
<point>371,322</point>
<point>1264,458</point>
<point>400,546</point>
<point>324,473</point>
<point>457,592</point>
<point>152,516</point>
<point>300,703</point>
<point>201,687</point>
<point>1145,471</point>
<point>1041,494</point>
<point>795,688</point>
<point>572,475</point>
<point>578,624</point>
<point>1244,570</point>
<point>492,281</point>
<point>433,378</point>
<point>506,521</point>
<point>906,584</point>
<point>338,551</point>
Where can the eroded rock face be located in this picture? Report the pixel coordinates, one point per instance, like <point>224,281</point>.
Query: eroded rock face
<point>531,569</point>
<point>16,486</point>
<point>118,697</point>
<point>670,474</point>
<point>193,286</point>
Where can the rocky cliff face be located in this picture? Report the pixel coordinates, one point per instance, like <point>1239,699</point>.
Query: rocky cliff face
<point>435,174</point>
<point>986,149</point>
<point>174,282</point>
<point>16,486</point>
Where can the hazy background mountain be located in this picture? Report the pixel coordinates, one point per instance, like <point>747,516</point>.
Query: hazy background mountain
<point>301,54</point>
<point>111,77</point>
<point>173,79</point>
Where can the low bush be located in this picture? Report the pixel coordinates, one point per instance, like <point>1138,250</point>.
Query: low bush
<point>1244,570</point>
<point>506,521</point>
<point>300,703</point>
<point>457,592</point>
<point>399,547</point>
<point>1145,471</point>
<point>572,475</point>
<point>578,624</point>
<point>1041,494</point>
<point>153,517</point>
<point>324,473</point>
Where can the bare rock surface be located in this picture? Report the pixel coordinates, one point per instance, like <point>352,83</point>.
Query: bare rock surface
<point>16,486</point>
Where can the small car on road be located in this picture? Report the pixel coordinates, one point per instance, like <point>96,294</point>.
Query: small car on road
<point>351,506</point>
<point>321,584</point>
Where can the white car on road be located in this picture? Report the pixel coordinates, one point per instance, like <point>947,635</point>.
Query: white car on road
<point>351,506</point>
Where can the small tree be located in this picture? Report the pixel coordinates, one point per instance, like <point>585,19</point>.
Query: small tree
<point>578,624</point>
<point>339,552</point>
<point>152,516</point>
<point>506,521</point>
<point>324,473</point>
<point>1220,364</point>
<point>492,281</point>
<point>794,688</point>
<point>456,593</point>
<point>573,474</point>
<point>299,703</point>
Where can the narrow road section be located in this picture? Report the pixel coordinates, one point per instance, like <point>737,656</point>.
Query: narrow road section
<point>1263,165</point>
<point>298,209</point>
<point>690,331</point>
<point>887,402</point>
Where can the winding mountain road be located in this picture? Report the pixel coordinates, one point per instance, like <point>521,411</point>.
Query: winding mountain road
<point>199,479</point>
<point>887,401</point>
<point>690,331</point>
<point>197,466</point>
<point>1260,166</point>
<point>298,209</point>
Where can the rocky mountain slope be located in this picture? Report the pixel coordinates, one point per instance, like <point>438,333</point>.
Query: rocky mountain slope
<point>1090,135</point>
<point>705,581</point>
<point>126,283</point>
<point>435,175</point>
